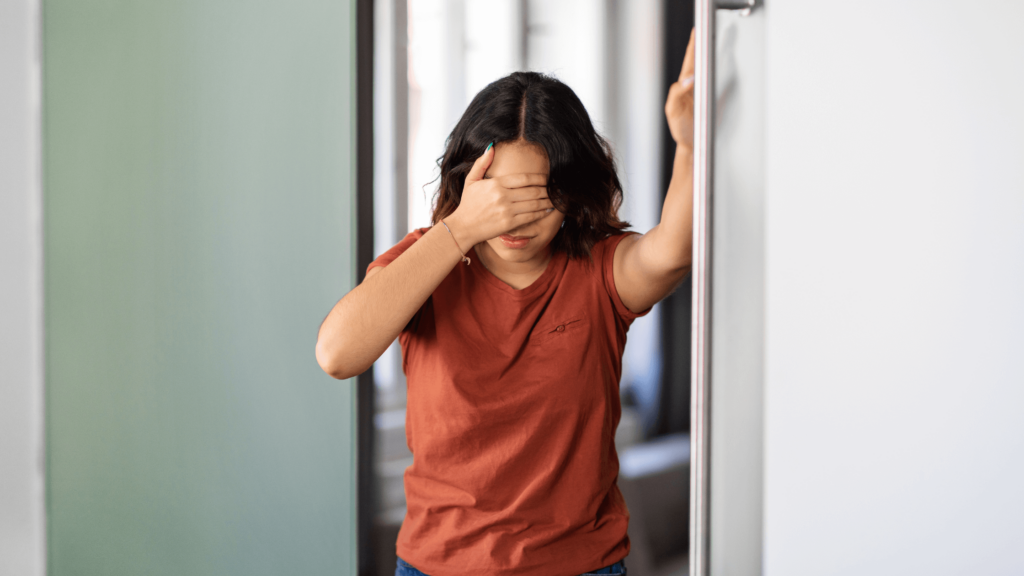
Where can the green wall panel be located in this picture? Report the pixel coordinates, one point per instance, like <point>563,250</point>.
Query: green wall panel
<point>198,190</point>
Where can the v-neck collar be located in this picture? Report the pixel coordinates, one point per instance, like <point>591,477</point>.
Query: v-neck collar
<point>555,264</point>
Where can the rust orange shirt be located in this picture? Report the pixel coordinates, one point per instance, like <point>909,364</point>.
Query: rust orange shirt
<point>513,402</point>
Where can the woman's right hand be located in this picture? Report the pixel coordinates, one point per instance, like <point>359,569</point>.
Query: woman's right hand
<point>491,207</point>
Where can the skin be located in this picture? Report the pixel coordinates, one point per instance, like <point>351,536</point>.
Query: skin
<point>518,267</point>
<point>505,193</point>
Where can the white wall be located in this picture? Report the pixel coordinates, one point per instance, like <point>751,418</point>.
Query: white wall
<point>895,275</point>
<point>22,483</point>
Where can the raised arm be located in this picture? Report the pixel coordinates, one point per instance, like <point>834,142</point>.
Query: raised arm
<point>367,320</point>
<point>649,267</point>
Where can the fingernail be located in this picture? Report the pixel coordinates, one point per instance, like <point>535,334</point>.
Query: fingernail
<point>488,147</point>
<point>550,209</point>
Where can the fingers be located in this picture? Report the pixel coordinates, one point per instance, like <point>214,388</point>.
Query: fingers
<point>527,217</point>
<point>523,180</point>
<point>689,59</point>
<point>528,193</point>
<point>481,165</point>
<point>531,206</point>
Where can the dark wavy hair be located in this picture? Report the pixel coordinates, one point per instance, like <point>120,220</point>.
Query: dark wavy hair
<point>542,110</point>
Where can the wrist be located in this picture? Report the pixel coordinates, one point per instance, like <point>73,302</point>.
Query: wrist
<point>684,149</point>
<point>461,233</point>
<point>682,164</point>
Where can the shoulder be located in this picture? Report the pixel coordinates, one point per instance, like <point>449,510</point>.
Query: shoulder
<point>608,254</point>
<point>603,254</point>
<point>607,248</point>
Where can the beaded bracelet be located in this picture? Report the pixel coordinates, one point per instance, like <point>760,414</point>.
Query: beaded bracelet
<point>464,257</point>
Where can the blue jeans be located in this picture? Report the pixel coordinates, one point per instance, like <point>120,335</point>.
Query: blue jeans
<point>406,569</point>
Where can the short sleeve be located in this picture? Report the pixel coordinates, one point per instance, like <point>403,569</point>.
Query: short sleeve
<point>395,251</point>
<point>607,255</point>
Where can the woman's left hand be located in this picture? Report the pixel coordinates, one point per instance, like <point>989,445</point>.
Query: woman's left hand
<point>679,104</point>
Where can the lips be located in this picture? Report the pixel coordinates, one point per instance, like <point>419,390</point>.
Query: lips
<point>514,242</point>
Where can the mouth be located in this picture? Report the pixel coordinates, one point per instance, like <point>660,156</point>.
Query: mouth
<point>514,242</point>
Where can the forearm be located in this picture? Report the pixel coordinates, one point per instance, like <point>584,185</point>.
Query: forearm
<point>367,320</point>
<point>669,245</point>
<point>649,267</point>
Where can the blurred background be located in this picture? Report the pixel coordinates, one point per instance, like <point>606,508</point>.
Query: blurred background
<point>186,188</point>
<point>431,57</point>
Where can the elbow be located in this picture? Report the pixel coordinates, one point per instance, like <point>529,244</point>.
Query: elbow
<point>679,275</point>
<point>668,254</point>
<point>680,264</point>
<point>332,361</point>
<point>681,272</point>
<point>673,270</point>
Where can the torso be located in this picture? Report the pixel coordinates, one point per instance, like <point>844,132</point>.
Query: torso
<point>513,402</point>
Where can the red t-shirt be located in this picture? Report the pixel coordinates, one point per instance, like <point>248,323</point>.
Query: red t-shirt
<point>513,402</point>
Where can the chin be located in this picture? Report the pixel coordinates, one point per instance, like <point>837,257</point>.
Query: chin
<point>516,255</point>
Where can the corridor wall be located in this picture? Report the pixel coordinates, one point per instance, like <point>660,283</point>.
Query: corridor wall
<point>198,206</point>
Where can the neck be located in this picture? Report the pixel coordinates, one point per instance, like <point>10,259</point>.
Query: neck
<point>516,274</point>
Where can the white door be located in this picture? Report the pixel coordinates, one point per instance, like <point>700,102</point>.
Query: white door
<point>867,270</point>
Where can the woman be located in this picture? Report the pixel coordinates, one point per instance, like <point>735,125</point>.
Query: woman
<point>512,311</point>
